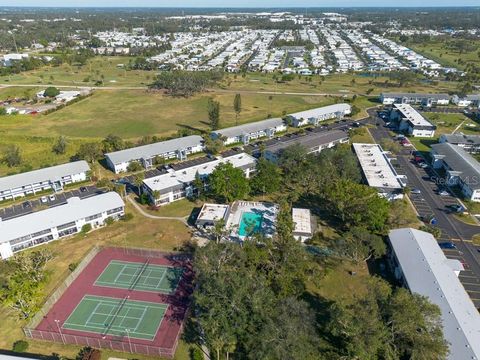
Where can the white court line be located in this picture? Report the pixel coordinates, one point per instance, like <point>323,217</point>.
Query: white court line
<point>140,320</point>
<point>120,273</point>
<point>93,312</point>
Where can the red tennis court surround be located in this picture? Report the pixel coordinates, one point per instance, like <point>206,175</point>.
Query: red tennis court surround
<point>166,338</point>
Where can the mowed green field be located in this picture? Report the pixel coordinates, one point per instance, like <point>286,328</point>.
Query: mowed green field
<point>440,52</point>
<point>101,68</point>
<point>132,114</point>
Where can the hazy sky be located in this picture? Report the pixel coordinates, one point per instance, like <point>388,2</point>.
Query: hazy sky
<point>237,3</point>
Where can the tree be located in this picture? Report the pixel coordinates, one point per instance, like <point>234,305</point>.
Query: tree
<point>12,156</point>
<point>213,108</point>
<point>134,166</point>
<point>358,244</point>
<point>355,204</point>
<point>3,111</point>
<point>267,178</point>
<point>213,146</point>
<point>51,92</point>
<point>20,346</point>
<point>227,183</point>
<point>60,146</point>
<point>199,185</point>
<point>237,106</point>
<point>112,143</point>
<point>90,152</point>
<point>138,181</point>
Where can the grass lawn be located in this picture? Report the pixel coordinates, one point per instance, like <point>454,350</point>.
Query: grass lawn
<point>335,83</point>
<point>180,208</point>
<point>87,75</point>
<point>448,123</point>
<point>440,52</point>
<point>138,232</point>
<point>361,135</point>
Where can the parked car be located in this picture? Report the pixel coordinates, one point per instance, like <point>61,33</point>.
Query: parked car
<point>52,197</point>
<point>26,205</point>
<point>423,165</point>
<point>447,245</point>
<point>443,193</point>
<point>416,191</point>
<point>456,208</point>
<point>83,189</point>
<point>44,199</point>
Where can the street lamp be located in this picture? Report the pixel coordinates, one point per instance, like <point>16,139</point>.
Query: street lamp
<point>128,337</point>
<point>60,331</point>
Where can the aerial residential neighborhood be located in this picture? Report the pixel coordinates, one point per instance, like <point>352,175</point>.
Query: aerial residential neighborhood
<point>239,181</point>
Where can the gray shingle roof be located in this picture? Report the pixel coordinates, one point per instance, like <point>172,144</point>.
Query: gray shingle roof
<point>73,210</point>
<point>428,272</point>
<point>250,128</point>
<point>461,161</point>
<point>151,150</point>
<point>52,173</point>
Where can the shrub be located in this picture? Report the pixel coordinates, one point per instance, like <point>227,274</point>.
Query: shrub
<point>109,221</point>
<point>127,217</point>
<point>20,346</point>
<point>86,228</point>
<point>51,92</point>
<point>196,354</point>
<point>72,266</point>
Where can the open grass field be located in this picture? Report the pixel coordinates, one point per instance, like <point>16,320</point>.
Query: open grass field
<point>87,75</point>
<point>139,232</point>
<point>439,51</point>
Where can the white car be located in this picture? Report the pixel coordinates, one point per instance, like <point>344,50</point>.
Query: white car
<point>51,197</point>
<point>44,199</point>
<point>443,193</point>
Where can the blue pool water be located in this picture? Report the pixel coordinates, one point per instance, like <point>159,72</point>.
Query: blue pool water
<point>250,223</point>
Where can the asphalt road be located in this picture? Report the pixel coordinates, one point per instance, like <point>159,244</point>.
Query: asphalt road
<point>428,202</point>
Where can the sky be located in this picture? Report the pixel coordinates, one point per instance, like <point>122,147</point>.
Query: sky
<point>238,3</point>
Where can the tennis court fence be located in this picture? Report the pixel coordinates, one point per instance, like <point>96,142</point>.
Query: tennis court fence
<point>121,344</point>
<point>58,292</point>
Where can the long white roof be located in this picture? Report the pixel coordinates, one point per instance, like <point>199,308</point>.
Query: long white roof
<point>427,272</point>
<point>250,128</point>
<point>74,209</point>
<point>413,115</point>
<point>52,173</point>
<point>313,113</point>
<point>377,169</point>
<point>175,178</point>
<point>151,150</point>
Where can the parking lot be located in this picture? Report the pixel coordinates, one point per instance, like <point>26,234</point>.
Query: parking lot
<point>30,206</point>
<point>429,204</point>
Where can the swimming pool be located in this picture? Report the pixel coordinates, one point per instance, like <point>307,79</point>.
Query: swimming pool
<point>250,223</point>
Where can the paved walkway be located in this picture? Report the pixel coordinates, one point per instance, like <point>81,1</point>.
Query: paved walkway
<point>150,216</point>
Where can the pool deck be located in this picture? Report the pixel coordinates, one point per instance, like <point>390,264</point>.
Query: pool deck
<point>267,210</point>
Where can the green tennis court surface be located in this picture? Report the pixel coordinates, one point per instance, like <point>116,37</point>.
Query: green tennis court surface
<point>117,317</point>
<point>140,276</point>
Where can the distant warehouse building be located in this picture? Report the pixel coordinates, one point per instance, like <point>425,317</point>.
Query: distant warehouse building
<point>176,181</point>
<point>379,172</point>
<point>57,222</point>
<point>178,148</point>
<point>424,269</point>
<point>414,99</point>
<point>51,178</point>
<point>469,143</point>
<point>245,133</point>
<point>461,168</point>
<point>411,121</point>
<point>313,142</point>
<point>315,116</point>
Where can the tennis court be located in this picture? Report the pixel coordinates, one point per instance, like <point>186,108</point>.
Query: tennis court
<point>117,317</point>
<point>140,276</point>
